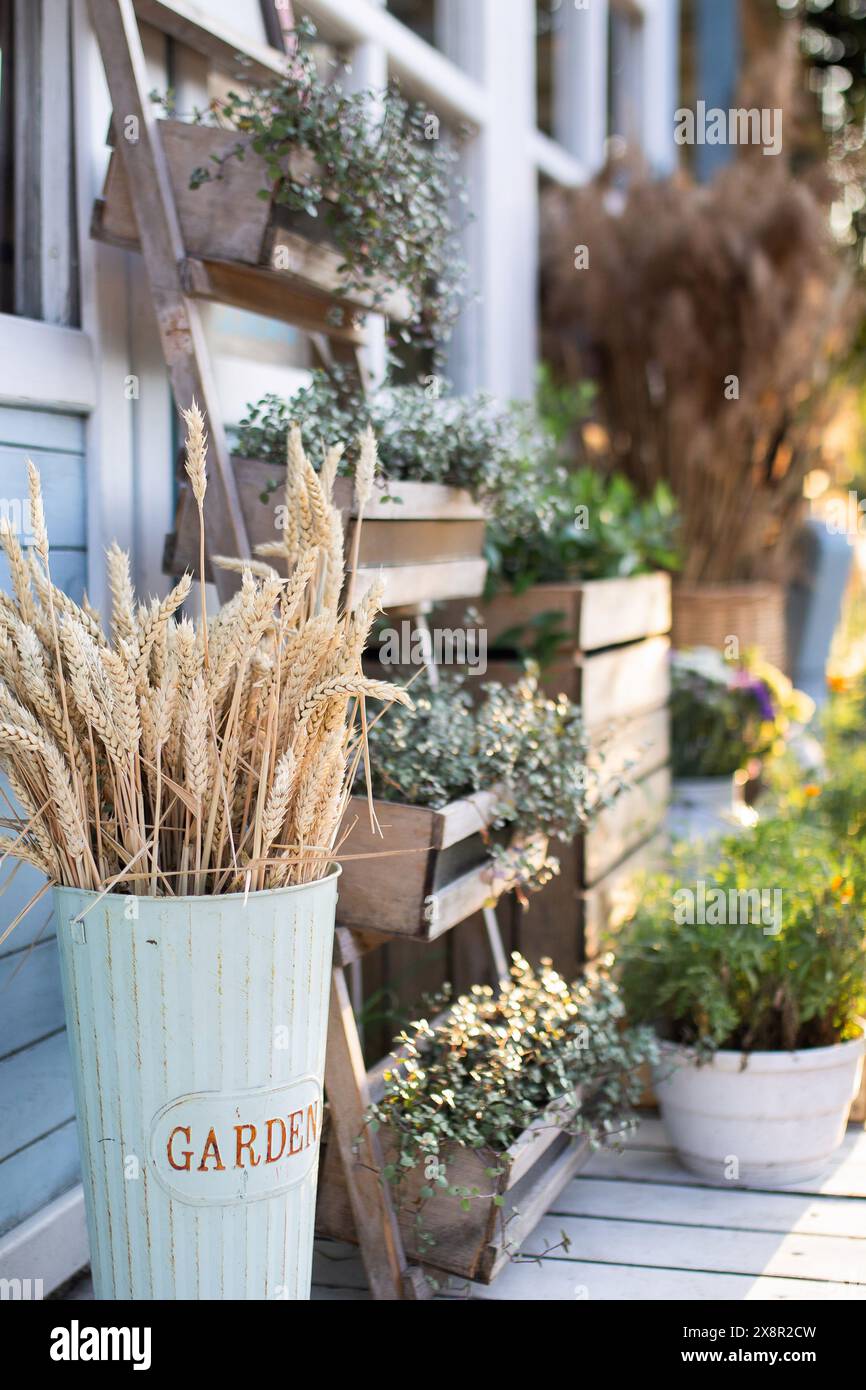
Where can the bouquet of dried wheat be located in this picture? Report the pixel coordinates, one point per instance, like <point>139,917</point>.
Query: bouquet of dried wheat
<point>169,757</point>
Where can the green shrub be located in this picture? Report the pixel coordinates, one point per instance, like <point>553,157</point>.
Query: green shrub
<point>591,527</point>
<point>790,972</point>
<point>474,442</point>
<point>724,713</point>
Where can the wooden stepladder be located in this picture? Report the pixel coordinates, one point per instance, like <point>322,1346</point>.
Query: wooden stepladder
<point>178,282</point>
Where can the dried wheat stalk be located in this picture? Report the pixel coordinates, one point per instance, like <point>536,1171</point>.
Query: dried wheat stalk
<point>175,758</point>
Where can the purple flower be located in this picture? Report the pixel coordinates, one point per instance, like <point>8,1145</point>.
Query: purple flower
<point>760,692</point>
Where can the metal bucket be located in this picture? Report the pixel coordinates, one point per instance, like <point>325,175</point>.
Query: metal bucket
<point>197,1028</point>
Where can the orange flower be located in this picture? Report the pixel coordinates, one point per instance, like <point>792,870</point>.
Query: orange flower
<point>812,789</point>
<point>836,883</point>
<point>838,684</point>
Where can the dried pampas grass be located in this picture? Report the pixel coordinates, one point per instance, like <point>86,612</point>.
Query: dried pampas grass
<point>172,758</point>
<point>712,318</point>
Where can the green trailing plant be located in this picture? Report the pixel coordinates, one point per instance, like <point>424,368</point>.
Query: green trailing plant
<point>493,1064</point>
<point>590,527</point>
<point>726,713</point>
<point>377,174</point>
<point>714,964</point>
<point>533,751</point>
<point>474,442</point>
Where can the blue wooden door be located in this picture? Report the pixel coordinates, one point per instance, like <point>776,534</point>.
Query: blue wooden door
<point>38,1148</point>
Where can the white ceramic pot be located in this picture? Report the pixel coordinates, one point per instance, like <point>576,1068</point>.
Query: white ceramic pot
<point>777,1121</point>
<point>197,1028</point>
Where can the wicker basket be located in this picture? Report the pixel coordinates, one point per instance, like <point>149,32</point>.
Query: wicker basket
<point>708,615</point>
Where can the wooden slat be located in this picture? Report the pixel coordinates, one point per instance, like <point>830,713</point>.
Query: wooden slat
<point>632,819</point>
<point>178,318</point>
<point>35,1093</point>
<point>636,746</point>
<point>410,501</point>
<point>846,1179</point>
<point>408,585</point>
<point>458,900</point>
<point>270,293</point>
<point>615,684</point>
<point>614,611</point>
<point>529,1203</point>
<point>319,267</point>
<point>596,613</point>
<point>196,27</point>
<point>373,1213</point>
<point>605,906</point>
<point>32,999</point>
<point>205,228</point>
<point>38,1173</point>
<point>465,817</point>
<point>573,1281</point>
<point>735,1209</point>
<point>719,1250</point>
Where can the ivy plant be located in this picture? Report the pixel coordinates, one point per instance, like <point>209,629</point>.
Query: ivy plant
<point>494,1063</point>
<point>532,750</point>
<point>423,433</point>
<point>378,175</point>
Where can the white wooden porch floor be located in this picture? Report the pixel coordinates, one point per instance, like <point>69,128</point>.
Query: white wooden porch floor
<point>642,1227</point>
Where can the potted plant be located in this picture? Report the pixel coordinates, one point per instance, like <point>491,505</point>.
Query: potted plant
<point>181,785</point>
<point>345,196</point>
<point>727,718</point>
<point>486,1112</point>
<point>446,464</point>
<point>755,977</point>
<point>446,780</point>
<point>743,281</point>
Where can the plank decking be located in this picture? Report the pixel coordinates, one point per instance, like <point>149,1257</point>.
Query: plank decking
<point>637,1226</point>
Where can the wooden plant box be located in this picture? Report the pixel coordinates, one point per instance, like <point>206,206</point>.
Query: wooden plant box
<point>596,613</point>
<point>427,545</point>
<point>427,871</point>
<point>225,223</point>
<point>611,685</point>
<point>478,1243</point>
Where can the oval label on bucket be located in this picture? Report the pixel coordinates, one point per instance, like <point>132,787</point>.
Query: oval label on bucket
<point>237,1146</point>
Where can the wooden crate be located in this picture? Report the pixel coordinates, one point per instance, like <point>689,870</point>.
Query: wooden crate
<point>478,1243</point>
<point>611,686</point>
<point>224,222</point>
<point>427,871</point>
<point>427,545</point>
<point>606,905</point>
<point>595,613</point>
<point>615,665</point>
